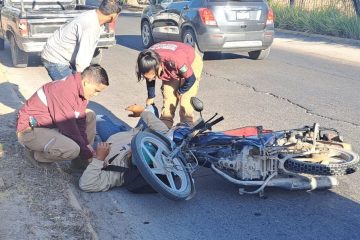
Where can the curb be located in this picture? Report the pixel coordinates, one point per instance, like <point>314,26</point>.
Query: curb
<point>332,39</point>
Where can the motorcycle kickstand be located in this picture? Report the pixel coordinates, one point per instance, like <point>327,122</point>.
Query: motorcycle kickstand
<point>261,193</point>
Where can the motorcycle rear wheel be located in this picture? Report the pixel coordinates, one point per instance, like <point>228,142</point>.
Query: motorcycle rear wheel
<point>338,161</point>
<point>167,176</point>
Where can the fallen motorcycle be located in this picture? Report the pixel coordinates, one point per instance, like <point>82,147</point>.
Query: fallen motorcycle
<point>297,159</point>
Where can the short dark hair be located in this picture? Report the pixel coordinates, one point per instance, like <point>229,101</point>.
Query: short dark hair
<point>96,73</point>
<point>147,60</point>
<point>108,7</point>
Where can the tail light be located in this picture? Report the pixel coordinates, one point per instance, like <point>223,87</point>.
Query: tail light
<point>270,17</point>
<point>207,16</point>
<point>112,26</point>
<point>23,27</point>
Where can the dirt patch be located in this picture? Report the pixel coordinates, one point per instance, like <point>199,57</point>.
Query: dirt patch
<point>34,201</point>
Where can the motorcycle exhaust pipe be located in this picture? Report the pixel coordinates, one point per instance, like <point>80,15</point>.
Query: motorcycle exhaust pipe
<point>304,183</point>
<point>294,183</point>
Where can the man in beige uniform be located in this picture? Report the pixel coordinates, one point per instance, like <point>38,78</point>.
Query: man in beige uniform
<point>55,124</point>
<point>94,179</point>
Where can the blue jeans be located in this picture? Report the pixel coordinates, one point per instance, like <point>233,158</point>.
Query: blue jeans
<point>105,127</point>
<point>57,71</point>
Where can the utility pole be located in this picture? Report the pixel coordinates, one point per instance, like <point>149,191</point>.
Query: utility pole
<point>357,6</point>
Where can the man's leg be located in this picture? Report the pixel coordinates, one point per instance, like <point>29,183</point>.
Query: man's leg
<point>170,101</point>
<point>49,145</point>
<point>90,125</point>
<point>57,71</point>
<point>153,122</point>
<point>186,110</point>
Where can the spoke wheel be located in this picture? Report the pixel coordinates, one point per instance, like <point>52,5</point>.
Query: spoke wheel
<point>327,160</point>
<point>166,175</point>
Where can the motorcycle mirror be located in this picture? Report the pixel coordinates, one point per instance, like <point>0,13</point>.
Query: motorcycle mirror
<point>197,104</point>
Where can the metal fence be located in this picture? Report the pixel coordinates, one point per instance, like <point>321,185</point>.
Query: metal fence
<point>348,7</point>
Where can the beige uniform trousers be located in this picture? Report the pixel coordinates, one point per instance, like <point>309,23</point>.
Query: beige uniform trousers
<point>49,145</point>
<point>171,101</point>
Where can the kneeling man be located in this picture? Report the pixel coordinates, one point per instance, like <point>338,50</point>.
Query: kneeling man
<point>55,124</point>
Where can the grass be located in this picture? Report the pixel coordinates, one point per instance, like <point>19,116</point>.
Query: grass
<point>326,21</point>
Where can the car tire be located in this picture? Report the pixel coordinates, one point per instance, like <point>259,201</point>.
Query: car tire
<point>259,54</point>
<point>97,56</point>
<point>146,35</point>
<point>19,57</point>
<point>189,37</point>
<point>2,44</point>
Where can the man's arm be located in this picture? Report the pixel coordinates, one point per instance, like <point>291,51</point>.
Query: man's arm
<point>94,179</point>
<point>63,115</point>
<point>186,71</point>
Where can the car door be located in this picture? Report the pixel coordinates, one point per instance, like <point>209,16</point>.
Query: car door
<point>175,13</point>
<point>158,18</point>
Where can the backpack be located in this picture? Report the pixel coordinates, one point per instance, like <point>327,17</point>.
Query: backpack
<point>133,180</point>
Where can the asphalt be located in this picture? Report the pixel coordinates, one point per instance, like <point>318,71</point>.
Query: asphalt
<point>281,93</point>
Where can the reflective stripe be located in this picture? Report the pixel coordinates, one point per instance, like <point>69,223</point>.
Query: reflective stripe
<point>47,145</point>
<point>42,96</point>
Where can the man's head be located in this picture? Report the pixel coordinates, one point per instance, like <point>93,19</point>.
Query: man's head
<point>109,10</point>
<point>94,80</point>
<point>148,65</point>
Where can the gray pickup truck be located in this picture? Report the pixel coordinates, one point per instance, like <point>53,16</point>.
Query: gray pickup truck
<point>27,24</point>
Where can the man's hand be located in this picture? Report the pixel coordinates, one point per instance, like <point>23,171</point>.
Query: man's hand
<point>102,150</point>
<point>149,101</point>
<point>135,109</point>
<point>178,95</point>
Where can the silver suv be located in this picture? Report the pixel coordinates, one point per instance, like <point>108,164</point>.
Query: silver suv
<point>211,25</point>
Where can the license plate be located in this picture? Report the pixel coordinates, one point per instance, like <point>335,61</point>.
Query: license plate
<point>242,15</point>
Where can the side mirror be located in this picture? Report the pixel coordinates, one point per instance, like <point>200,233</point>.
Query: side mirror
<point>197,104</point>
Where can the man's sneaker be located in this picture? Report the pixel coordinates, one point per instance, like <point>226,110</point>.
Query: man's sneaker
<point>29,156</point>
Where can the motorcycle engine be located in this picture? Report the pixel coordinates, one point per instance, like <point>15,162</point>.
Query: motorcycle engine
<point>247,165</point>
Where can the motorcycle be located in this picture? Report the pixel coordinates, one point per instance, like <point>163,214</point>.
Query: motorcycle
<point>307,158</point>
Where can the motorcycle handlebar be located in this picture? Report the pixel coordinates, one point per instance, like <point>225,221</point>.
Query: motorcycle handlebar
<point>216,121</point>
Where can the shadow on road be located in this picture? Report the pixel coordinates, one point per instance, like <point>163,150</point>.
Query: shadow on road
<point>210,56</point>
<point>130,41</point>
<point>5,58</point>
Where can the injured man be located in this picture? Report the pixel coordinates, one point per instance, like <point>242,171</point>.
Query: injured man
<point>116,152</point>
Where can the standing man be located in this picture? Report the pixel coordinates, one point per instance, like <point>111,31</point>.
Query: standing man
<point>71,47</point>
<point>53,123</point>
<point>179,67</point>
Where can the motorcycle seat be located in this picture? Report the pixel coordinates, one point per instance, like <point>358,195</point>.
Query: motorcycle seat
<point>244,131</point>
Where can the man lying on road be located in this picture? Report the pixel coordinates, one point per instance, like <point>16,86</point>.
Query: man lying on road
<point>94,178</point>
<point>53,123</point>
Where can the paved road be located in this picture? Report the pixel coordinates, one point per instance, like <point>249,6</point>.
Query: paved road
<point>300,83</point>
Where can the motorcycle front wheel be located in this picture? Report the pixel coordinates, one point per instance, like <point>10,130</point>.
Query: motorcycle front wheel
<point>166,175</point>
<point>329,162</point>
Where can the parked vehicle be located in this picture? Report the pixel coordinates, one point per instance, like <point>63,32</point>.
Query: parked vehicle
<point>27,24</point>
<point>211,25</point>
<point>295,159</point>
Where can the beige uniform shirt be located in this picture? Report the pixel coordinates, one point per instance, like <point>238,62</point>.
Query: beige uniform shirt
<point>94,179</point>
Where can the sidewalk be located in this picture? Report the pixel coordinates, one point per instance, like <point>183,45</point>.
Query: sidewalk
<point>35,203</point>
